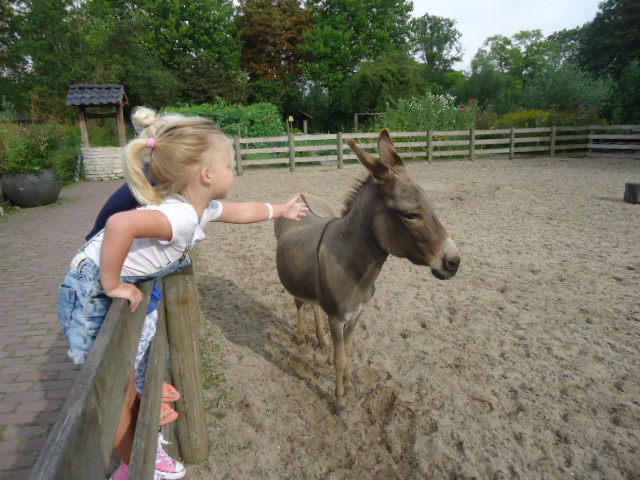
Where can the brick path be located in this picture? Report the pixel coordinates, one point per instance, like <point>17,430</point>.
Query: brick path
<point>36,246</point>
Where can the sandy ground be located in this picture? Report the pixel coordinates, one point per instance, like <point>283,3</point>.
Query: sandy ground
<point>525,366</point>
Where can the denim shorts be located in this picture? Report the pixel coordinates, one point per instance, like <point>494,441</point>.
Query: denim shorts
<point>82,307</point>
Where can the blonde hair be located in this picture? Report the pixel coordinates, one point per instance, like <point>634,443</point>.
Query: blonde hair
<point>174,154</point>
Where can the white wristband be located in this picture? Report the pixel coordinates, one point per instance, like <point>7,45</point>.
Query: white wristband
<point>270,207</point>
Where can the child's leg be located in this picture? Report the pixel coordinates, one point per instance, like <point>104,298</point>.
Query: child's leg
<point>126,430</point>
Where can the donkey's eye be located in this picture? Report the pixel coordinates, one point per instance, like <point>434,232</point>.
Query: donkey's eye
<point>412,217</point>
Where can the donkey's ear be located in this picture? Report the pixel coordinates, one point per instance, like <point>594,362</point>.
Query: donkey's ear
<point>375,166</point>
<point>387,150</point>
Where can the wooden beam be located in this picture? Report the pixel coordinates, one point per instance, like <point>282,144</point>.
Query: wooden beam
<point>121,130</point>
<point>183,331</point>
<point>82,123</point>
<point>81,441</point>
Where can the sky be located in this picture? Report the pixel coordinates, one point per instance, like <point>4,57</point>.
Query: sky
<point>477,20</point>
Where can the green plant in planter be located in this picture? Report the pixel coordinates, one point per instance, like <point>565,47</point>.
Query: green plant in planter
<point>35,160</point>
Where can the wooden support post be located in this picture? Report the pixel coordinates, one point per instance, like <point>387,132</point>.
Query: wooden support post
<point>292,153</point>
<point>236,143</point>
<point>183,324</point>
<point>472,144</point>
<point>512,143</point>
<point>552,143</point>
<point>82,121</point>
<point>632,192</point>
<point>305,124</point>
<point>429,145</point>
<point>122,135</point>
<point>143,457</point>
<point>340,152</point>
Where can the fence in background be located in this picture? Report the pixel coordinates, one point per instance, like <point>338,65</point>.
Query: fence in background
<point>332,149</point>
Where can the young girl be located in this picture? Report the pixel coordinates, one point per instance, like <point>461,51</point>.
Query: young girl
<point>191,164</point>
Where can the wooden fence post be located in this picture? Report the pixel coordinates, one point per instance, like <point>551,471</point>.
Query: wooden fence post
<point>146,437</point>
<point>182,316</point>
<point>552,144</point>
<point>236,142</point>
<point>472,144</point>
<point>340,152</point>
<point>292,153</point>
<point>512,143</point>
<point>429,145</point>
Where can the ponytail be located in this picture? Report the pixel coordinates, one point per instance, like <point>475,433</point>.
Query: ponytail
<point>135,167</point>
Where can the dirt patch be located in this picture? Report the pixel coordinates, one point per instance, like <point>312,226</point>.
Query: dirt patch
<point>525,365</point>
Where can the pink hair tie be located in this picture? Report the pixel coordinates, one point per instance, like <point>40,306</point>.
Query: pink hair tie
<point>151,142</point>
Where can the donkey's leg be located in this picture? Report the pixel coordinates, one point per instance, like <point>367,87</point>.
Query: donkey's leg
<point>317,317</point>
<point>339,362</point>
<point>302,328</point>
<point>348,347</point>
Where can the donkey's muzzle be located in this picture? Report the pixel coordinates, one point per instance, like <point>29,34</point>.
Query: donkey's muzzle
<point>449,262</point>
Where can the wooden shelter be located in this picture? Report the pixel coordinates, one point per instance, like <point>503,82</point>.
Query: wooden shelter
<point>86,96</point>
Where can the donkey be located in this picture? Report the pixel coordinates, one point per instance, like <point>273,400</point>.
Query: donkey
<point>334,261</point>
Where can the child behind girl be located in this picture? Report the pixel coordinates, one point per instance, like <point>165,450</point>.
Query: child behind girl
<point>191,163</point>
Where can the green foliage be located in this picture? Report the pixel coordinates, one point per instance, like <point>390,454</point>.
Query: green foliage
<point>257,120</point>
<point>431,112</point>
<point>348,32</point>
<point>568,88</point>
<point>376,84</point>
<point>489,86</point>
<point>612,40</point>
<point>30,148</point>
<point>629,93</point>
<point>437,41</point>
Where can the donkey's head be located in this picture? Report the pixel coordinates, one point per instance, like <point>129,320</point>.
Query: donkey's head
<point>405,224</point>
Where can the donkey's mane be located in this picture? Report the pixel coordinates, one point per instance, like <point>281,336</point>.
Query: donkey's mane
<point>355,190</point>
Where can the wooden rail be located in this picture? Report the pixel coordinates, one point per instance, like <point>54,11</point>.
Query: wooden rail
<point>332,149</point>
<point>81,442</point>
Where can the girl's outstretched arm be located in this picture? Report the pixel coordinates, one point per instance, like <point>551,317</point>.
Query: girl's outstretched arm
<point>251,212</point>
<point>122,228</point>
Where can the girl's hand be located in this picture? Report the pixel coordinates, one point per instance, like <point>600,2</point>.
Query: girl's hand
<point>294,209</point>
<point>129,292</point>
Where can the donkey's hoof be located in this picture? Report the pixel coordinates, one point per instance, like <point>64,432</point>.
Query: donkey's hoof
<point>349,393</point>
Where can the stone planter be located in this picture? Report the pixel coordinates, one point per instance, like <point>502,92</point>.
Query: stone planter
<point>27,190</point>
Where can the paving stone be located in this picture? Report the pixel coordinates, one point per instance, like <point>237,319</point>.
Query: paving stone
<point>35,373</point>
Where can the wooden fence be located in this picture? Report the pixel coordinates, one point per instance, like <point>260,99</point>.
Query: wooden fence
<point>332,149</point>
<point>81,442</point>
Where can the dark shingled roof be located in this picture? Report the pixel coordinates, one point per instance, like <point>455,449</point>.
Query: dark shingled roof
<point>96,94</point>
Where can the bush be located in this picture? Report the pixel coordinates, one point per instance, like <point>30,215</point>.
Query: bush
<point>431,112</point>
<point>257,120</point>
<point>30,148</point>
<point>523,119</point>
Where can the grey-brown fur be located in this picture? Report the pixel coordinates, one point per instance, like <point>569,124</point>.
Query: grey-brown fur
<point>332,262</point>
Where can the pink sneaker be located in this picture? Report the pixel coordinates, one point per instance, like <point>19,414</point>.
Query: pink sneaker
<point>166,467</point>
<point>122,473</point>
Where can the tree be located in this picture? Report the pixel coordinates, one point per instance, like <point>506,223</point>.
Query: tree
<point>12,65</point>
<point>567,88</point>
<point>348,32</point>
<point>50,48</point>
<point>376,84</point>
<point>195,40</point>
<point>271,31</point>
<point>612,40</point>
<point>437,41</point>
